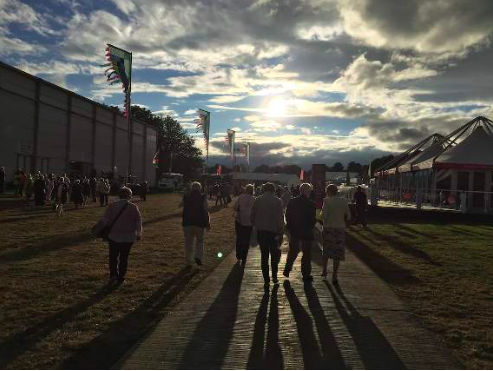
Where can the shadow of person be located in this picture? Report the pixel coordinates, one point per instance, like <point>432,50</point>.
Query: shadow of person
<point>256,356</point>
<point>372,346</point>
<point>312,358</point>
<point>273,354</point>
<point>272,358</point>
<point>210,342</point>
<point>16,345</point>
<point>331,354</point>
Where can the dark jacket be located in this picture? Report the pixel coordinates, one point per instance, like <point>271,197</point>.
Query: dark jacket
<point>301,217</point>
<point>195,212</point>
<point>360,200</point>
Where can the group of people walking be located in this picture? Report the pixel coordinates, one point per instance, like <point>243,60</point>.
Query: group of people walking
<point>270,216</point>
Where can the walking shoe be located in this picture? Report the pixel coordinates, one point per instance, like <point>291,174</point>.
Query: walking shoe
<point>308,278</point>
<point>198,261</point>
<point>285,273</point>
<point>275,281</point>
<point>335,281</point>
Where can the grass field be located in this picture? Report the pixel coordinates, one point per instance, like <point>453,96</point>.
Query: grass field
<point>56,308</point>
<point>443,270</point>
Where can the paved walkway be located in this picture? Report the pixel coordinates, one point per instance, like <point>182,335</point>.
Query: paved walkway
<point>231,322</point>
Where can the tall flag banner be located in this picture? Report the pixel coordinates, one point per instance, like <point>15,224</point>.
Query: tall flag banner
<point>203,123</point>
<point>302,175</point>
<point>219,170</point>
<point>231,142</point>
<point>247,154</point>
<point>155,159</point>
<point>119,71</point>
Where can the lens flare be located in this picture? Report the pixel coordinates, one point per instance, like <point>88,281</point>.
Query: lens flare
<point>219,255</point>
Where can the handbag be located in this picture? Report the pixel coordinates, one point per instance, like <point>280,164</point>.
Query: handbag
<point>101,230</point>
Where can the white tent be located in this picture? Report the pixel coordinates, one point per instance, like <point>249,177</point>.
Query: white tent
<point>474,153</point>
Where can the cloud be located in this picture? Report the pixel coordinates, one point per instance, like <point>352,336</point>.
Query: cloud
<point>424,26</point>
<point>166,111</point>
<point>16,12</point>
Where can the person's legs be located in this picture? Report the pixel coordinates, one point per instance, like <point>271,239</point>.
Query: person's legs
<point>189,237</point>
<point>361,216</point>
<point>101,199</point>
<point>263,242</point>
<point>336,270</point>
<point>306,259</point>
<point>124,250</point>
<point>294,250</point>
<point>247,232</point>
<point>238,231</point>
<point>113,259</point>
<point>275,253</point>
<point>325,262</point>
<point>198,232</point>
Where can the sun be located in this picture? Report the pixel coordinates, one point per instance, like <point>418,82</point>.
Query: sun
<point>276,107</point>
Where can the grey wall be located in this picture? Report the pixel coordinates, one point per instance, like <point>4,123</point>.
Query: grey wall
<point>44,127</point>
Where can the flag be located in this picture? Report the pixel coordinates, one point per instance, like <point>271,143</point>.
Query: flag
<point>247,154</point>
<point>119,71</point>
<point>155,159</point>
<point>302,175</point>
<point>231,142</point>
<point>219,170</point>
<point>203,123</point>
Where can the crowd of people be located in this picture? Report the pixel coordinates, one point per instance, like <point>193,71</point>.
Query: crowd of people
<point>40,189</point>
<point>273,212</point>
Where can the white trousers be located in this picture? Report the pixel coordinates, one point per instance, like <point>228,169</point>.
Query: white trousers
<point>194,234</point>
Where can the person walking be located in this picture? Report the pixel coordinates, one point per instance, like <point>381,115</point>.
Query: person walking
<point>217,192</point>
<point>61,196</point>
<point>2,180</point>
<point>243,224</point>
<point>268,219</point>
<point>107,190</point>
<point>77,196</point>
<point>286,196</point>
<point>93,182</point>
<point>300,221</point>
<point>28,192</point>
<point>143,190</point>
<point>126,228</point>
<point>196,219</point>
<point>86,191</point>
<point>22,183</point>
<point>50,184</point>
<point>101,189</point>
<point>39,189</point>
<point>361,205</point>
<point>335,216</point>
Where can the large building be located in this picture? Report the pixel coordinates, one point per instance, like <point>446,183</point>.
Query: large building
<point>45,127</point>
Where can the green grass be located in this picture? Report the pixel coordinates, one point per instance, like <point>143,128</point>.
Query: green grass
<point>443,271</point>
<point>56,308</point>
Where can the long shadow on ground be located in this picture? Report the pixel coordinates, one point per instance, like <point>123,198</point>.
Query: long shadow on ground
<point>16,345</point>
<point>272,358</point>
<point>105,350</point>
<point>210,341</point>
<point>375,351</point>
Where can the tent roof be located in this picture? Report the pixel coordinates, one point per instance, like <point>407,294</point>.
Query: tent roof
<point>475,151</point>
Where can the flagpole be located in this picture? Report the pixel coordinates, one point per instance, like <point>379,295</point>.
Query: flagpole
<point>129,120</point>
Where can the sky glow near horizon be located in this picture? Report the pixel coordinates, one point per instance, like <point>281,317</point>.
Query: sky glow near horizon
<point>305,81</point>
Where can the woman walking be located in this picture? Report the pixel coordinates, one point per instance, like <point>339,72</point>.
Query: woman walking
<point>86,190</point>
<point>39,189</point>
<point>335,215</point>
<point>77,197</point>
<point>243,223</point>
<point>50,184</point>
<point>126,227</point>
<point>61,196</point>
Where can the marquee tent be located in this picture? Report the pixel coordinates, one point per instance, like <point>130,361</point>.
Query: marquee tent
<point>459,163</point>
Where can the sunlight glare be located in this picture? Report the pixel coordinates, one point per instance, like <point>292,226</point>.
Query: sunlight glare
<point>276,107</point>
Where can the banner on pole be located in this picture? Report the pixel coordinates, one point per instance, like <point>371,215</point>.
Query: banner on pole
<point>203,123</point>
<point>318,182</point>
<point>231,142</point>
<point>119,71</point>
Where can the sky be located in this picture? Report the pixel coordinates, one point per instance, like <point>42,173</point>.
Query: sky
<point>304,81</point>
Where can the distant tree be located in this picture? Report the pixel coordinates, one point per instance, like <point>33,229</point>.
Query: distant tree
<point>354,167</point>
<point>379,162</point>
<point>337,167</point>
<point>177,147</point>
<point>262,169</point>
